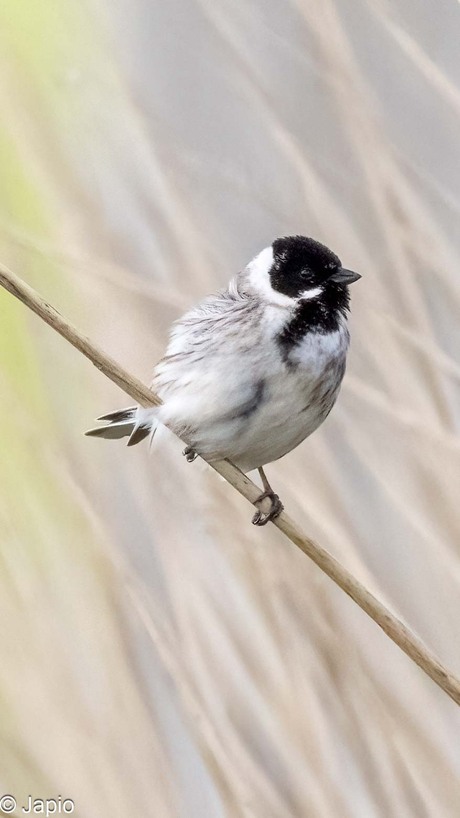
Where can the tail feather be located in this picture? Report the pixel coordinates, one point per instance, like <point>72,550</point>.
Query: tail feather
<point>138,434</point>
<point>120,414</point>
<point>112,431</point>
<point>122,423</point>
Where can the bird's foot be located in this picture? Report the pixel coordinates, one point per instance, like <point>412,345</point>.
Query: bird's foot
<point>261,518</point>
<point>190,454</point>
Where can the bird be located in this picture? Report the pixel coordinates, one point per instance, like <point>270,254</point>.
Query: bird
<point>255,368</point>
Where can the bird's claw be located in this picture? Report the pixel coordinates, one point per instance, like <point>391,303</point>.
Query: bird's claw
<point>261,518</point>
<point>190,454</point>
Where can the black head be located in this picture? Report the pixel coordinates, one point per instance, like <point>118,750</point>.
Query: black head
<point>301,265</point>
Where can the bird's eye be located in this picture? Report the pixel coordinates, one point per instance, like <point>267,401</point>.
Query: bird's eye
<point>332,265</point>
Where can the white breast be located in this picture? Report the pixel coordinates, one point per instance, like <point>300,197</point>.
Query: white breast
<point>317,349</point>
<point>300,395</point>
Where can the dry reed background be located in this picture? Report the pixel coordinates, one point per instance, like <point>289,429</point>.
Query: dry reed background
<point>159,656</point>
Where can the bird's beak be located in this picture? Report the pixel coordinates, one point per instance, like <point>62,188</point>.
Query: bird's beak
<point>344,276</point>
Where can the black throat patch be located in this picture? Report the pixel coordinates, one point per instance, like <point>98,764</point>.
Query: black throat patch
<point>321,315</point>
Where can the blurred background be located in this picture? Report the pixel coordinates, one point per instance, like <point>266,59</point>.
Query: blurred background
<point>159,655</point>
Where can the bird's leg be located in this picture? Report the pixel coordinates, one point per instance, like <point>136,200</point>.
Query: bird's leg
<point>190,454</point>
<point>276,508</point>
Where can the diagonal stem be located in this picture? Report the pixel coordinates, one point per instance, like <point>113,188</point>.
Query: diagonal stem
<point>390,624</point>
